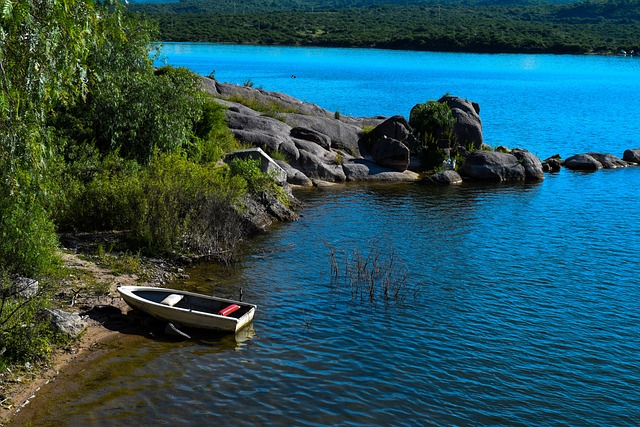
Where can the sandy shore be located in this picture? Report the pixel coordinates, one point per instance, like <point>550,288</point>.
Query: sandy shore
<point>20,389</point>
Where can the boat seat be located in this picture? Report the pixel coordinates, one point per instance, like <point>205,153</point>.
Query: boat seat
<point>172,300</point>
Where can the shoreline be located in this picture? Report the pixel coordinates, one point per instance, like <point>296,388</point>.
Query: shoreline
<point>21,389</point>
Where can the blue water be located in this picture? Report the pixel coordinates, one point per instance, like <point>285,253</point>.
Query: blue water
<point>525,310</point>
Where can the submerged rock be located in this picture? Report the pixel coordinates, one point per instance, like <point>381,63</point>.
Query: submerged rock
<point>609,161</point>
<point>448,177</point>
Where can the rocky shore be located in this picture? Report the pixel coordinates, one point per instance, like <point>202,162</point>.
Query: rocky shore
<point>316,145</point>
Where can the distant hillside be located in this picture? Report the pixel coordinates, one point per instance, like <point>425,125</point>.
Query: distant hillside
<point>595,26</point>
<point>251,6</point>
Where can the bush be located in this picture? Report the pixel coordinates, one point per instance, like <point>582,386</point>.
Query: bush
<point>433,122</point>
<point>24,336</point>
<point>189,207</point>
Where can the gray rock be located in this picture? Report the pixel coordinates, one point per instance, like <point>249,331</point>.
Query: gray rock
<point>502,149</point>
<point>492,166</point>
<point>367,170</point>
<point>267,164</point>
<point>582,162</point>
<point>447,177</point>
<point>552,164</point>
<point>69,324</point>
<point>317,168</point>
<point>294,176</point>
<point>264,97</point>
<point>343,136</point>
<point>631,156</point>
<point>397,128</point>
<point>609,161</point>
<point>468,128</point>
<point>391,153</point>
<point>25,287</point>
<point>532,164</point>
<point>311,135</point>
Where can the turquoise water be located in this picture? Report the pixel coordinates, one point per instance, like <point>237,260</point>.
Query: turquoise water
<point>526,310</point>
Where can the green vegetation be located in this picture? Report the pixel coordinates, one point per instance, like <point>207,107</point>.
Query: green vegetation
<point>473,26</point>
<point>94,138</point>
<point>433,122</point>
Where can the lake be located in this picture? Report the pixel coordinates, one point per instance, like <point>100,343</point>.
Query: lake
<point>521,304</point>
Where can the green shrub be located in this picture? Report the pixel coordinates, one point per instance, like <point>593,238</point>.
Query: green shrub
<point>24,335</point>
<point>189,207</point>
<point>212,137</point>
<point>433,122</point>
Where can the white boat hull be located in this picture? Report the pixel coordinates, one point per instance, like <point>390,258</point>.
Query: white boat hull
<point>148,300</point>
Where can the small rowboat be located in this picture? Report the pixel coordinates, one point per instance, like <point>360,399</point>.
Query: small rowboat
<point>188,308</point>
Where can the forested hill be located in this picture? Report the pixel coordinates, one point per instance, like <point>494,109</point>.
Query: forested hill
<point>250,6</point>
<point>593,26</point>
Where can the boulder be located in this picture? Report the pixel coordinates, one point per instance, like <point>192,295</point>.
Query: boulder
<point>397,128</point>
<point>447,177</point>
<point>631,156</point>
<point>260,131</point>
<point>317,168</point>
<point>468,127</point>
<point>367,170</point>
<point>261,97</point>
<point>294,176</point>
<point>65,323</point>
<point>25,287</point>
<point>582,162</point>
<point>343,136</point>
<point>391,153</point>
<point>552,164</point>
<point>609,161</point>
<point>532,164</point>
<point>492,166</point>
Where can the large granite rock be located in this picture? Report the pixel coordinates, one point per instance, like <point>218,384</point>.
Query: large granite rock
<point>367,170</point>
<point>532,165</point>
<point>391,153</point>
<point>582,162</point>
<point>492,166</point>
<point>468,127</point>
<point>632,156</point>
<point>343,136</point>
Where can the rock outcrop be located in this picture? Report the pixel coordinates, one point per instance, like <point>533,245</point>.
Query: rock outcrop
<point>316,144</point>
<point>320,146</point>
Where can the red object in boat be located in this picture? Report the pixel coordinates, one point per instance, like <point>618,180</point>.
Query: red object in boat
<point>228,310</point>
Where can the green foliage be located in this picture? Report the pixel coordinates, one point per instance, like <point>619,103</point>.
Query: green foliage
<point>211,135</point>
<point>24,337</point>
<point>437,25</point>
<point>257,181</point>
<point>189,207</point>
<point>433,121</point>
